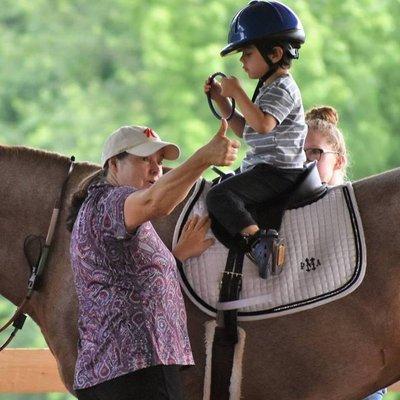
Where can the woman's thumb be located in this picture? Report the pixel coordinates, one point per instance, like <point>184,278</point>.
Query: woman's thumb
<point>223,128</point>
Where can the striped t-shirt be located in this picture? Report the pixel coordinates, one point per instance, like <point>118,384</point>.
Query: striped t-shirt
<point>283,146</point>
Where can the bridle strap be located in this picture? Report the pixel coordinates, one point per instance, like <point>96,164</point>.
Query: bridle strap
<point>17,313</point>
<point>53,223</point>
<point>19,320</point>
<point>19,317</point>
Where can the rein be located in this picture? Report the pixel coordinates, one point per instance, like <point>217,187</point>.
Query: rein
<point>18,319</point>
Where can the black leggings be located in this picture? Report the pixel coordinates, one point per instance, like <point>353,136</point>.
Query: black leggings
<point>228,201</point>
<point>161,382</point>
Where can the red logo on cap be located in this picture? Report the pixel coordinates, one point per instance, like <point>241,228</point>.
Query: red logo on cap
<point>150,133</point>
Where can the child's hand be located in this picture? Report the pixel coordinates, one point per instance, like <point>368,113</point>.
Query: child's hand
<point>214,88</point>
<point>230,86</point>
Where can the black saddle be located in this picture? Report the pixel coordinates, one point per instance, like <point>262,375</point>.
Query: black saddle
<point>308,189</point>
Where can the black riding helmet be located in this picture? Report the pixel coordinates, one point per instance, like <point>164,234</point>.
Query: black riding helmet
<point>265,24</point>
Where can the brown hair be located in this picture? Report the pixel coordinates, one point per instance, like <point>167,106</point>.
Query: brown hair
<point>267,48</point>
<point>80,195</point>
<point>323,120</point>
<point>326,113</point>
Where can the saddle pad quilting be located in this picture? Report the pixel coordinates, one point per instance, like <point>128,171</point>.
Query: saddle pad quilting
<point>325,259</point>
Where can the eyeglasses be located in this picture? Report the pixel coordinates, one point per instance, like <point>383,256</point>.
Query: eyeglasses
<point>315,154</point>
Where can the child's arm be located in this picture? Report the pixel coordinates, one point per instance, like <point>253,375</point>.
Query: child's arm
<point>237,122</point>
<point>261,122</point>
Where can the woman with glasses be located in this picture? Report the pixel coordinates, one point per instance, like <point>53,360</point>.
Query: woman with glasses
<point>325,144</point>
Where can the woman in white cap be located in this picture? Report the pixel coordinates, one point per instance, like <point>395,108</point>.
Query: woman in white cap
<point>132,322</point>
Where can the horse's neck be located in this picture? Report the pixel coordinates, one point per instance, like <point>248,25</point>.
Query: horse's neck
<point>30,183</point>
<point>30,180</point>
<point>381,194</point>
<point>378,200</point>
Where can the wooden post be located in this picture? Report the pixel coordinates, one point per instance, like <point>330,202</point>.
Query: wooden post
<point>395,387</point>
<point>29,371</point>
<point>35,371</point>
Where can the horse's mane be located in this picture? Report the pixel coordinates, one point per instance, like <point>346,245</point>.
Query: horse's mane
<point>34,154</point>
<point>30,151</point>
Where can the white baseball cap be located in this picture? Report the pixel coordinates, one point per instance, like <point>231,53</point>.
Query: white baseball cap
<point>137,140</point>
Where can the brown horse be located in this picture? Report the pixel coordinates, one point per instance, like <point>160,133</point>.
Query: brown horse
<point>342,350</point>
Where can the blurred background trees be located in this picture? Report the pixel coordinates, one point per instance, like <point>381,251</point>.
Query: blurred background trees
<point>72,71</point>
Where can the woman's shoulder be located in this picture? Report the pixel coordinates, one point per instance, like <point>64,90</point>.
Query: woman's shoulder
<point>105,187</point>
<point>108,195</point>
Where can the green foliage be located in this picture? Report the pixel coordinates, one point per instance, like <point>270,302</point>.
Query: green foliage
<point>392,396</point>
<point>72,71</point>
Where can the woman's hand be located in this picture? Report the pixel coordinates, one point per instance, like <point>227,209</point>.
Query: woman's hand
<point>220,150</point>
<point>192,242</point>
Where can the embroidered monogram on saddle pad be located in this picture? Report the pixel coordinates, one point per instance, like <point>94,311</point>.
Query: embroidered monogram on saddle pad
<point>325,259</point>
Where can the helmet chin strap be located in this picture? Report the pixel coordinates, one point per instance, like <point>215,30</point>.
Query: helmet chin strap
<point>271,70</point>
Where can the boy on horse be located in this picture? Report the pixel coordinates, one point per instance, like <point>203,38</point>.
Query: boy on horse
<point>269,35</point>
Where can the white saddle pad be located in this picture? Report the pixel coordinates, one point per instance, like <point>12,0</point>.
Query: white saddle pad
<point>325,259</point>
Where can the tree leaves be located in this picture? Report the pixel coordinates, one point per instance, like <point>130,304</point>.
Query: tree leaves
<point>73,71</point>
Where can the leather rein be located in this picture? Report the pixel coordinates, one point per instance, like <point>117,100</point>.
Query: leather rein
<point>18,319</point>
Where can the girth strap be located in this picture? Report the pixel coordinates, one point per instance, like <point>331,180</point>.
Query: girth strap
<point>226,333</point>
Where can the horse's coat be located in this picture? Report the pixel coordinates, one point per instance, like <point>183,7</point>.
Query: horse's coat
<point>342,350</point>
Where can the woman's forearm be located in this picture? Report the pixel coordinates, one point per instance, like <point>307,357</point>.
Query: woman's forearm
<point>173,187</point>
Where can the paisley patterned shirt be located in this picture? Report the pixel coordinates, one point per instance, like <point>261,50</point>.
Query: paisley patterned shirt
<point>131,310</point>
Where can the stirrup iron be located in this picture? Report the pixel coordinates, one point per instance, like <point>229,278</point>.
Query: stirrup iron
<point>278,252</point>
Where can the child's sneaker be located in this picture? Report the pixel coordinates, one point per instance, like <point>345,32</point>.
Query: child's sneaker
<point>260,253</point>
<point>267,252</point>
